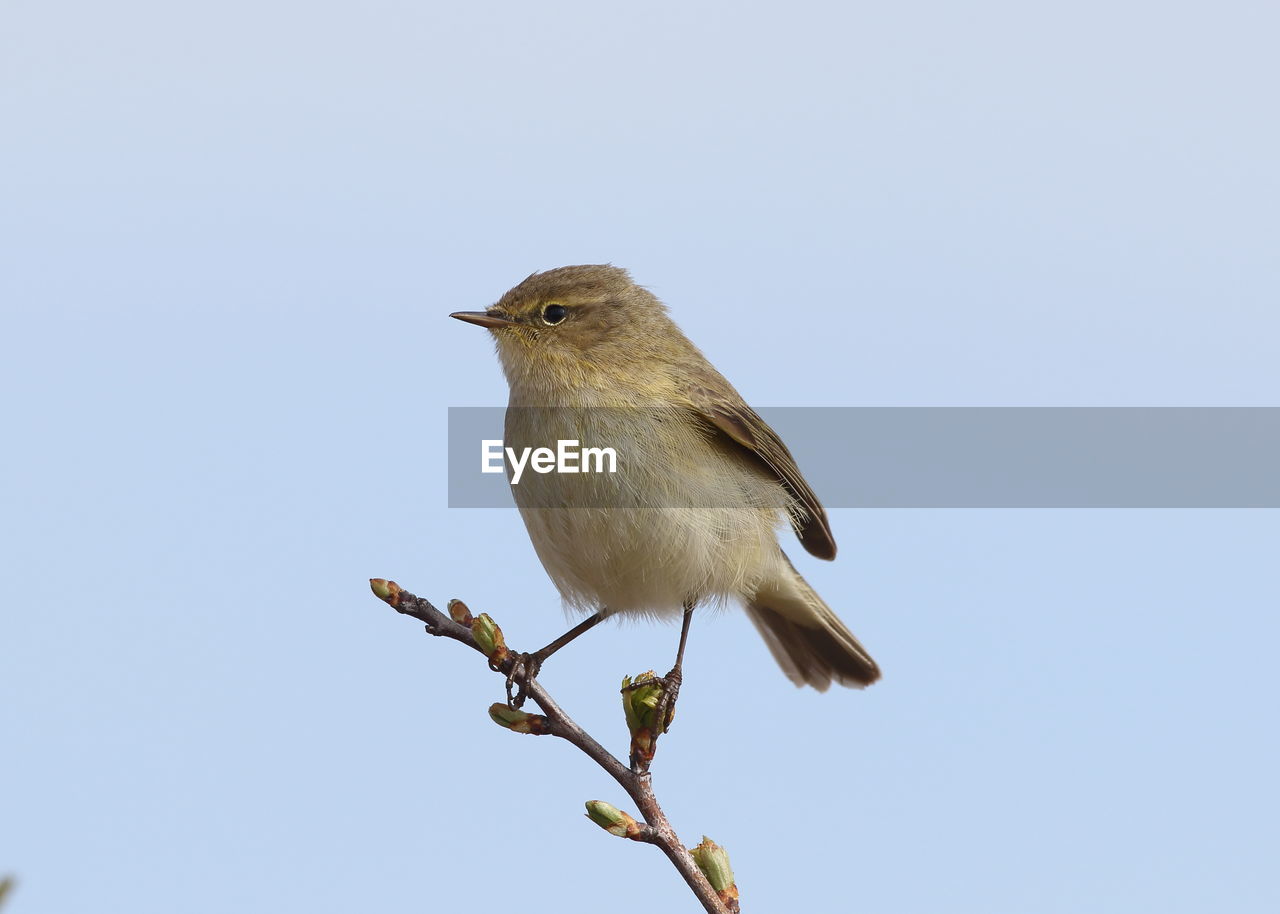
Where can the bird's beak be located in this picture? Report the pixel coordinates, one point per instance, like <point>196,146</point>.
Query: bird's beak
<point>484,319</point>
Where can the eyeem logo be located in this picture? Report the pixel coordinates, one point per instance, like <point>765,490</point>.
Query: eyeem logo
<point>567,457</point>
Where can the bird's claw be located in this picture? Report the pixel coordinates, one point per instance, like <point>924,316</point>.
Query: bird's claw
<point>523,671</point>
<point>670,692</point>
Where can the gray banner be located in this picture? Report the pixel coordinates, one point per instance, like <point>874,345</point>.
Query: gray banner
<point>926,457</point>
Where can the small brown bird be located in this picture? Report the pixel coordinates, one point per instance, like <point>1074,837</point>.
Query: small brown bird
<point>692,516</point>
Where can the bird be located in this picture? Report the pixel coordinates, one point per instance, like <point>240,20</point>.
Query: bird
<point>692,517</point>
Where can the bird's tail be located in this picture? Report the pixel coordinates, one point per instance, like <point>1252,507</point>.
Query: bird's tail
<point>808,640</point>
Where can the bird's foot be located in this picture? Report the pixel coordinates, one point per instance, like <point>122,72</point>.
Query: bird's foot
<point>522,673</point>
<point>670,692</point>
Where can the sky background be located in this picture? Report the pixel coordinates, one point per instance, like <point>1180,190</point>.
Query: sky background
<point>230,235</point>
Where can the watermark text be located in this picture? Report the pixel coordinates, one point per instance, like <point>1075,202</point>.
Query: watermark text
<point>567,457</point>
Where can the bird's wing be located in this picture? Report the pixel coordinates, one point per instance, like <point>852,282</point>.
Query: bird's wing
<point>743,426</point>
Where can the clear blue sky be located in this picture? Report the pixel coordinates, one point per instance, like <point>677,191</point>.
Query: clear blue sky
<point>230,235</point>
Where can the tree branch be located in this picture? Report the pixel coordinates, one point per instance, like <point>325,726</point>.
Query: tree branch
<point>637,783</point>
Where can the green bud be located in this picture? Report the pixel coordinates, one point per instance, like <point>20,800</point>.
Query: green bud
<point>640,698</point>
<point>713,860</point>
<point>612,819</point>
<point>384,589</point>
<point>489,637</point>
<point>518,721</point>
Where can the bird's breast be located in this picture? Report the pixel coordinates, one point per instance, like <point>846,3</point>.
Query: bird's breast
<point>675,516</point>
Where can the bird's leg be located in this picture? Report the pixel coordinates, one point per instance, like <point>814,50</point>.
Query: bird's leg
<point>525,667</point>
<point>671,681</point>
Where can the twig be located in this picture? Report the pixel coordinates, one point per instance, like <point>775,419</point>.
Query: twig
<point>638,785</point>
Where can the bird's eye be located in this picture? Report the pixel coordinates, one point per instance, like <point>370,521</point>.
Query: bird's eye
<point>553,314</point>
